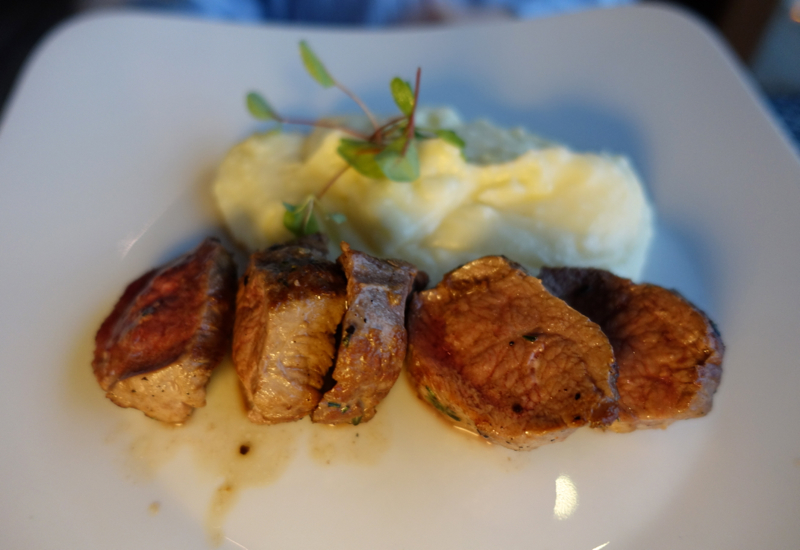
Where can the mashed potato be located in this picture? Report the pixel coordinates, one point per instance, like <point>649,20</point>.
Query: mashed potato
<point>511,193</point>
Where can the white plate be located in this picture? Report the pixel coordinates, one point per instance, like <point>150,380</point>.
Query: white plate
<point>106,153</point>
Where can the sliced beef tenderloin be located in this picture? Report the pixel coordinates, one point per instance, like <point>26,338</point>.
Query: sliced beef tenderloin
<point>497,354</point>
<point>168,331</point>
<point>373,344</point>
<point>289,303</point>
<point>669,352</point>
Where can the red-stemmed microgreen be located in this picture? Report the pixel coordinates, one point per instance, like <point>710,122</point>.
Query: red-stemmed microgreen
<point>389,152</point>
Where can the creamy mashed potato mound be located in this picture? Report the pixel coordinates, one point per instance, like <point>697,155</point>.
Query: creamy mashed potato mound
<point>511,193</point>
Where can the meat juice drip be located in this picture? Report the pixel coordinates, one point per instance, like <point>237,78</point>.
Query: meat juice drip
<point>223,443</point>
<point>362,445</point>
<point>439,437</point>
<point>232,447</point>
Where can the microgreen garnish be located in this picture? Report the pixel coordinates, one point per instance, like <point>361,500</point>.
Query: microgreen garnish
<point>260,108</point>
<point>360,155</point>
<point>389,152</point>
<point>399,161</point>
<point>450,137</point>
<point>315,67</point>
<point>300,219</point>
<point>403,95</point>
<point>303,219</point>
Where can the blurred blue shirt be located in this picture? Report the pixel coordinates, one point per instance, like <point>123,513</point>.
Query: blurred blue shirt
<point>370,12</point>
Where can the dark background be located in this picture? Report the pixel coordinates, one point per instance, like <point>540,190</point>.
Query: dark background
<point>23,23</point>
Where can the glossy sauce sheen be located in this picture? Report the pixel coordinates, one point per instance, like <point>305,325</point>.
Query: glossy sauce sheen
<point>245,455</point>
<point>225,445</point>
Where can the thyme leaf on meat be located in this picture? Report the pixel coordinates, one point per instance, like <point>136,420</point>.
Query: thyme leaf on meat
<point>388,152</point>
<point>441,407</point>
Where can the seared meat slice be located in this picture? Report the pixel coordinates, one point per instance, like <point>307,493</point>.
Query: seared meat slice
<point>167,332</point>
<point>290,301</point>
<point>373,344</point>
<point>492,350</point>
<point>669,352</point>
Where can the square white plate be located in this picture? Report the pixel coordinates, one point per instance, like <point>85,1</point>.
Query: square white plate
<point>106,154</point>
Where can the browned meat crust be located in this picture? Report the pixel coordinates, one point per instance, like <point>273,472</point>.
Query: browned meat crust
<point>492,350</point>
<point>373,344</point>
<point>290,301</point>
<point>669,352</point>
<point>167,332</point>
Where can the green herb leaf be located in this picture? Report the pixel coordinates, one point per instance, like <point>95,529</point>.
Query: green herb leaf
<point>403,95</point>
<point>441,407</point>
<point>356,421</point>
<point>418,134</point>
<point>259,107</point>
<point>450,137</point>
<point>315,67</point>
<point>361,156</point>
<point>530,337</point>
<point>332,404</point>
<point>398,131</point>
<point>300,220</point>
<point>396,165</point>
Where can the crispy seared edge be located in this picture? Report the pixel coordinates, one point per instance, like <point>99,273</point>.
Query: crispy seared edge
<point>373,345</point>
<point>156,350</point>
<point>465,405</point>
<point>651,329</point>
